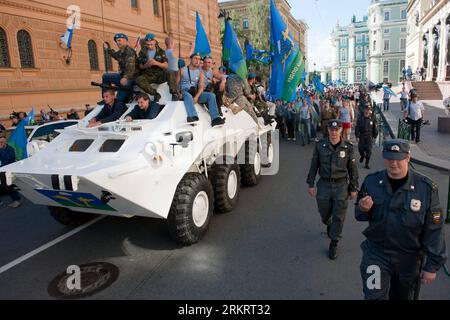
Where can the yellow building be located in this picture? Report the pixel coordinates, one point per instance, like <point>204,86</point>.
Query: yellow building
<point>33,68</point>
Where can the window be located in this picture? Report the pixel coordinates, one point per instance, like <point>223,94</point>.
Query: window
<point>358,74</point>
<point>156,7</point>
<point>134,4</point>
<point>108,60</point>
<point>387,15</point>
<point>374,18</point>
<point>112,145</point>
<point>403,30</point>
<point>402,65</point>
<point>374,46</point>
<point>386,45</point>
<point>343,41</point>
<point>402,44</point>
<point>358,38</point>
<point>245,24</point>
<point>359,53</point>
<point>25,49</point>
<point>81,145</point>
<point>387,30</point>
<point>4,50</point>
<point>93,57</point>
<point>343,55</point>
<point>403,15</point>
<point>385,68</point>
<point>343,74</point>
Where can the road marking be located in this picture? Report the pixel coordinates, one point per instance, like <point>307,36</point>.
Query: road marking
<point>48,245</point>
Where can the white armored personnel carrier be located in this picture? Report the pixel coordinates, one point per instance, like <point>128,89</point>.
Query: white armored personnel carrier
<point>161,168</point>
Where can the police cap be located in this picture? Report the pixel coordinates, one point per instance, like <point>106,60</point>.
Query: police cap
<point>396,149</point>
<point>334,124</point>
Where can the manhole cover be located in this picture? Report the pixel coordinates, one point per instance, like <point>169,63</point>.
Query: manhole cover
<point>94,277</point>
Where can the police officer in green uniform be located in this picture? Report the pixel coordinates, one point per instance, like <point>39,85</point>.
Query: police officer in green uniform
<point>153,64</point>
<point>335,160</point>
<point>128,68</point>
<point>405,222</point>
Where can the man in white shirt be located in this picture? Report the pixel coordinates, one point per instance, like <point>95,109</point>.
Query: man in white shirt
<point>415,114</point>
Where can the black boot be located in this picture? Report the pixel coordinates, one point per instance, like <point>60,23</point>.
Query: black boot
<point>328,231</point>
<point>367,163</point>
<point>332,253</point>
<point>361,159</point>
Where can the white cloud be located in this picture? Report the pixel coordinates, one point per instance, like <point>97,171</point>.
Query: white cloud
<point>319,51</point>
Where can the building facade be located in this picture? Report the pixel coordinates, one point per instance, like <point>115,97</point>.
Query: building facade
<point>428,41</point>
<point>349,49</point>
<point>33,67</point>
<point>298,28</point>
<point>387,26</point>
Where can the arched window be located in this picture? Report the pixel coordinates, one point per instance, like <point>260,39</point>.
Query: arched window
<point>25,49</point>
<point>93,57</point>
<point>343,55</point>
<point>4,50</point>
<point>359,53</point>
<point>358,74</point>
<point>108,60</point>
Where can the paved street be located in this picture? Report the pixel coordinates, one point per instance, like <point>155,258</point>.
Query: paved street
<point>271,247</point>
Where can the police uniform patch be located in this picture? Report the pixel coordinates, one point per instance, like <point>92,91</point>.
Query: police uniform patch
<point>415,205</point>
<point>436,215</point>
<point>395,148</point>
<point>342,154</point>
<point>371,123</point>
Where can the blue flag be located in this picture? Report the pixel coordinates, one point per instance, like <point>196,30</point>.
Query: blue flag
<point>288,64</point>
<point>318,85</point>
<point>66,38</point>
<point>249,50</point>
<point>389,91</point>
<point>232,52</point>
<point>201,40</point>
<point>18,139</point>
<point>259,56</point>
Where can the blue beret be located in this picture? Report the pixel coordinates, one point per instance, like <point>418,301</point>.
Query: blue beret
<point>149,36</point>
<point>120,36</point>
<point>181,63</point>
<point>251,75</point>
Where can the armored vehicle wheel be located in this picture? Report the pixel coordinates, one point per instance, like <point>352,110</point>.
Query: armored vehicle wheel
<point>267,152</point>
<point>225,179</point>
<point>251,170</point>
<point>70,218</point>
<point>191,209</point>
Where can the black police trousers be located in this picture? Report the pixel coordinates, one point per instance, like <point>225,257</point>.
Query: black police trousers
<point>399,273</point>
<point>332,203</point>
<point>365,146</point>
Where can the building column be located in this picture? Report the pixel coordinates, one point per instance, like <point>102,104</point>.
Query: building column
<point>442,52</point>
<point>430,55</point>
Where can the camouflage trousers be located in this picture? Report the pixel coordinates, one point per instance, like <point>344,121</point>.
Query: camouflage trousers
<point>239,104</point>
<point>145,81</point>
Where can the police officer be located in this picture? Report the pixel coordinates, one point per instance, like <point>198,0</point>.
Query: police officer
<point>334,159</point>
<point>128,68</point>
<point>366,132</point>
<point>405,219</point>
<point>153,64</point>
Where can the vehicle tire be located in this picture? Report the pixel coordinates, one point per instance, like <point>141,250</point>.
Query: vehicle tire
<point>251,170</point>
<point>70,218</point>
<point>191,209</point>
<point>225,179</point>
<point>267,151</point>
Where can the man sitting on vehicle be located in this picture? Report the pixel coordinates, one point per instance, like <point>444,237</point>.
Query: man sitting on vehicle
<point>145,110</point>
<point>112,110</point>
<point>73,115</point>
<point>153,64</point>
<point>128,69</point>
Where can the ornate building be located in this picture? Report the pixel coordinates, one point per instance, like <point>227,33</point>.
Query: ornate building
<point>33,67</point>
<point>350,44</point>
<point>298,28</point>
<point>387,25</point>
<point>428,42</point>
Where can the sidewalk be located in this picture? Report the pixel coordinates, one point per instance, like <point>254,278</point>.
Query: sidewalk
<point>434,148</point>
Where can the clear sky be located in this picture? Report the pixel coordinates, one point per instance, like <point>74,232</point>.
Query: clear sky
<point>321,16</point>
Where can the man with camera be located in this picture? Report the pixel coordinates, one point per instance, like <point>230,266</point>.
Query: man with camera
<point>192,83</point>
<point>214,81</point>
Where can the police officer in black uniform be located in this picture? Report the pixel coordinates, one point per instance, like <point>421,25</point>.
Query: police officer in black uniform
<point>366,132</point>
<point>335,161</point>
<point>405,221</point>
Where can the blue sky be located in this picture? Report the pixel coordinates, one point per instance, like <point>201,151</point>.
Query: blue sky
<point>321,16</point>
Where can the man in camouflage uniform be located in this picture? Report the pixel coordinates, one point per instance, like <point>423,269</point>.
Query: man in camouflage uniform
<point>235,97</point>
<point>128,68</point>
<point>153,65</point>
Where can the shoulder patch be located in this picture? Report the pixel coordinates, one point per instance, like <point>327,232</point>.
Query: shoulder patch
<point>437,215</point>
<point>429,182</point>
